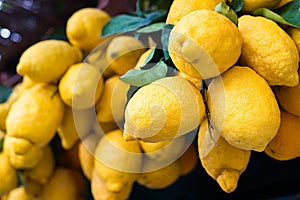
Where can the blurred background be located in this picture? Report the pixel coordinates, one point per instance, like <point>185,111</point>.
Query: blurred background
<point>24,22</point>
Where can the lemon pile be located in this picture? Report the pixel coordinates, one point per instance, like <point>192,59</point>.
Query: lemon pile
<point>235,86</point>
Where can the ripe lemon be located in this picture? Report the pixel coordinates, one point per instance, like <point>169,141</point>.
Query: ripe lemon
<point>224,163</point>
<point>269,50</point>
<point>180,8</point>
<point>243,109</point>
<point>101,192</point>
<point>204,44</point>
<point>84,28</point>
<point>81,86</point>
<point>117,161</point>
<point>294,33</point>
<point>289,98</point>
<point>286,144</point>
<point>166,108</point>
<point>123,53</point>
<point>251,5</point>
<point>9,178</point>
<point>188,160</point>
<point>46,61</point>
<point>36,114</point>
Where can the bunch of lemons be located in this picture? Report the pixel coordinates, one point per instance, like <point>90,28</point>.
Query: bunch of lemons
<point>236,87</point>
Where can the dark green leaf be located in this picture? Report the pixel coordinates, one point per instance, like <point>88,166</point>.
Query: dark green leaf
<point>1,144</point>
<point>152,28</point>
<point>290,12</point>
<point>271,15</point>
<point>225,10</point>
<point>139,7</point>
<point>4,93</point>
<point>165,39</point>
<point>21,178</point>
<point>143,77</point>
<point>158,15</point>
<point>237,5</point>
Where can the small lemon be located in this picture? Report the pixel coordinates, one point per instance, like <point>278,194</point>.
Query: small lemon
<point>269,50</point>
<point>204,44</point>
<point>22,153</point>
<point>47,60</point>
<point>160,178</point>
<point>101,192</point>
<point>180,8</point>
<point>117,161</point>
<point>251,5</point>
<point>61,185</point>
<point>9,178</point>
<point>84,28</point>
<point>224,163</point>
<point>36,114</point>
<point>294,33</point>
<point>123,53</point>
<point>166,108</point>
<point>42,171</point>
<point>81,86</point>
<point>243,109</point>
<point>70,130</point>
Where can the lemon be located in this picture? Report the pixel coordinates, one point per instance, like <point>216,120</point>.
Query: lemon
<point>71,129</point>
<point>204,44</point>
<point>32,191</point>
<point>84,28</point>
<point>47,60</point>
<point>61,185</point>
<point>224,163</point>
<point>101,192</point>
<point>251,5</point>
<point>9,179</point>
<point>111,104</point>
<point>243,109</point>
<point>294,33</point>
<point>282,3</point>
<point>269,50</point>
<point>188,160</point>
<point>289,98</point>
<point>22,153</point>
<point>285,145</point>
<point>143,58</point>
<point>36,114</point>
<point>81,86</point>
<point>43,170</point>
<point>166,108</point>
<point>160,178</point>
<point>117,161</point>
<point>180,8</point>
<point>123,52</point>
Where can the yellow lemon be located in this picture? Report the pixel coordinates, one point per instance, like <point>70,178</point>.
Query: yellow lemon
<point>84,27</point>
<point>160,178</point>
<point>111,105</point>
<point>286,144</point>
<point>9,178</point>
<point>289,98</point>
<point>143,58</point>
<point>72,128</point>
<point>282,3</point>
<point>224,163</point>
<point>269,50</point>
<point>117,161</point>
<point>32,191</point>
<point>251,5</point>
<point>123,53</point>
<point>180,8</point>
<point>166,108</point>
<point>81,86</point>
<point>42,171</point>
<point>204,44</point>
<point>188,160</point>
<point>101,192</point>
<point>243,109</point>
<point>22,153</point>
<point>36,114</point>
<point>294,33</point>
<point>61,185</point>
<point>46,61</point>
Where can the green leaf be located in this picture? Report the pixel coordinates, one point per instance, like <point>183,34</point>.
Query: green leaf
<point>152,28</point>
<point>290,12</point>
<point>225,10</point>
<point>272,16</point>
<point>139,8</point>
<point>143,77</point>
<point>165,39</point>
<point>21,178</point>
<point>4,93</point>
<point>1,143</point>
<point>150,56</point>
<point>237,5</point>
